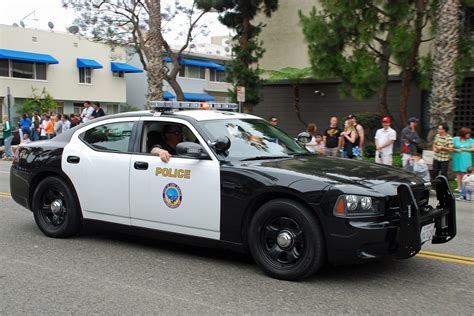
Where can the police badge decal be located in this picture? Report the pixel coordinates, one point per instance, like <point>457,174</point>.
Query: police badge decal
<point>172,195</point>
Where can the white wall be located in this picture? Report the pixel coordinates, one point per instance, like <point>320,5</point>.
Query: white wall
<point>63,78</point>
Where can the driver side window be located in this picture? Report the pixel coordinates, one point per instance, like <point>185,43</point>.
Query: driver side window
<point>166,135</point>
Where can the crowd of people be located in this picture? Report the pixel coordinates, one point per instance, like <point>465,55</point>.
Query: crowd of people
<point>349,143</point>
<point>34,127</point>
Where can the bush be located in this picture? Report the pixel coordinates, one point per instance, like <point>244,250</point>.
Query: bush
<point>41,103</point>
<point>369,151</point>
<point>370,121</point>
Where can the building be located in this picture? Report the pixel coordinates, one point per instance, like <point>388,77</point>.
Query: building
<point>202,76</point>
<point>70,67</point>
<point>285,46</point>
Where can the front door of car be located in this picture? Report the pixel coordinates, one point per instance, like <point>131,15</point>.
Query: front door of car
<point>97,160</point>
<point>181,196</point>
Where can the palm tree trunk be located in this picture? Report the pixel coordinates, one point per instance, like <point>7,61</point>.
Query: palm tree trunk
<point>155,67</point>
<point>443,93</point>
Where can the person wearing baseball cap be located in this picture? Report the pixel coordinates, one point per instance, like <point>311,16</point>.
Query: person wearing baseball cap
<point>384,139</point>
<point>409,141</point>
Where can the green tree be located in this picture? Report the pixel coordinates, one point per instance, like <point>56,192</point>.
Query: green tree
<point>41,103</point>
<point>294,76</point>
<point>358,41</point>
<point>238,15</point>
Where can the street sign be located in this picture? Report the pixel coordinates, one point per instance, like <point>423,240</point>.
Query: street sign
<point>240,94</point>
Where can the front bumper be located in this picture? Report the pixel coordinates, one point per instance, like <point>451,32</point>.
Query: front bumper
<point>398,235</point>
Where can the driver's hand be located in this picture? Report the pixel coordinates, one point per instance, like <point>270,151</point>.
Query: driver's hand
<point>164,154</point>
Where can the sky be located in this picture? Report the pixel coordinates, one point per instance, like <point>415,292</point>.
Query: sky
<point>12,11</point>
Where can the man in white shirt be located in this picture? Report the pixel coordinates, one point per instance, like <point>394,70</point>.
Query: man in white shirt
<point>86,112</point>
<point>384,139</point>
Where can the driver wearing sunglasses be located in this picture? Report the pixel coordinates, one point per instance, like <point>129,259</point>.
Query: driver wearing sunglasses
<point>173,135</point>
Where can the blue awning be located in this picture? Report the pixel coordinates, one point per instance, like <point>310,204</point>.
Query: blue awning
<point>87,63</point>
<point>201,63</point>
<point>27,56</point>
<point>168,95</point>
<point>198,97</point>
<point>124,67</point>
<point>167,59</point>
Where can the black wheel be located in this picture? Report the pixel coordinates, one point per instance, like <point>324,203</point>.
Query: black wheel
<point>55,209</point>
<point>286,240</point>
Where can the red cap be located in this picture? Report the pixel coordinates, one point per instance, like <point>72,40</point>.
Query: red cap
<point>386,120</point>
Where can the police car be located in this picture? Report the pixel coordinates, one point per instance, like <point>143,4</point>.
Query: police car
<point>234,181</point>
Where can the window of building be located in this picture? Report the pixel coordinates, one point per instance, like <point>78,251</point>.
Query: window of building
<point>112,109</point>
<point>78,107</point>
<point>109,137</point>
<point>22,69</point>
<point>60,107</point>
<point>194,72</point>
<point>118,74</point>
<point>85,75</point>
<point>218,76</point>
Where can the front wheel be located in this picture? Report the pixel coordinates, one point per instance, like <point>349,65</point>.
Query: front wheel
<point>286,240</point>
<point>55,208</point>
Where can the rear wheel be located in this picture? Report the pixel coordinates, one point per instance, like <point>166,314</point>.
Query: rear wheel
<point>286,240</point>
<point>55,209</point>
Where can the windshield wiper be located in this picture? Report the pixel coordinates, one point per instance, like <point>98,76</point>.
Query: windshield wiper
<point>266,157</point>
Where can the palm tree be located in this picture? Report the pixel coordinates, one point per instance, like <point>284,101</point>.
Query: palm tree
<point>294,76</point>
<point>443,93</point>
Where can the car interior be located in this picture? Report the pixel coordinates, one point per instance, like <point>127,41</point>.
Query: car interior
<point>153,134</point>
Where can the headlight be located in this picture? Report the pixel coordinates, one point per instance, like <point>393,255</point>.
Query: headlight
<point>357,205</point>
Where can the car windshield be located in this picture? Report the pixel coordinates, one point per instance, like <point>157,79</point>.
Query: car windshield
<point>253,139</point>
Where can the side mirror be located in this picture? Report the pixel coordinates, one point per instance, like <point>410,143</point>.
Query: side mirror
<point>191,150</point>
<point>221,145</point>
<point>304,137</point>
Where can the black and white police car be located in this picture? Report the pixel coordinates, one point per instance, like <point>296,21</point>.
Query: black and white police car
<point>235,181</point>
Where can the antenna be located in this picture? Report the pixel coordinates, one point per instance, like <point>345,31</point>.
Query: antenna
<point>15,25</point>
<point>50,25</point>
<point>22,24</point>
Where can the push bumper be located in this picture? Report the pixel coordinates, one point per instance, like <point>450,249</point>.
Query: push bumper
<point>398,236</point>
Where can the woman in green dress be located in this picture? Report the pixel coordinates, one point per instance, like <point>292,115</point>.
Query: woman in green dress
<point>462,155</point>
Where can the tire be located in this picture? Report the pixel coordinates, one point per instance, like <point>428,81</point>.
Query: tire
<point>301,250</point>
<point>66,220</point>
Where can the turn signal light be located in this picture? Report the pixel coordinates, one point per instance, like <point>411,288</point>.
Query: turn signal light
<point>340,208</point>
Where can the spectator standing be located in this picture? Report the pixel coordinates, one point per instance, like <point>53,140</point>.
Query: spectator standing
<point>86,112</point>
<point>42,126</point>
<point>74,120</point>
<point>25,124</point>
<point>273,120</point>
<point>332,138</point>
<point>360,132</point>
<point>7,138</point>
<point>35,126</point>
<point>66,122</point>
<point>58,125</point>
<point>443,147</point>
<point>98,111</point>
<point>350,139</point>
<point>311,129</point>
<point>49,127</point>
<point>384,138</point>
<point>409,140</point>
<point>462,154</point>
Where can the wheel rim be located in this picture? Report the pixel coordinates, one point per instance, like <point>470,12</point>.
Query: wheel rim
<point>283,241</point>
<point>53,207</point>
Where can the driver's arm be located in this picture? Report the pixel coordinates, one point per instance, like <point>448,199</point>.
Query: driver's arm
<point>164,154</point>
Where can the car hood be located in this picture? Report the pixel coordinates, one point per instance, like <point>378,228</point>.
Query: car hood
<point>340,171</point>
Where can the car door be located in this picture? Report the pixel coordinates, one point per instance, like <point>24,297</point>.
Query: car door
<point>97,160</point>
<point>181,196</point>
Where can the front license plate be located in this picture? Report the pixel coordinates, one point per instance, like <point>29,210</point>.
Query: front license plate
<point>427,232</point>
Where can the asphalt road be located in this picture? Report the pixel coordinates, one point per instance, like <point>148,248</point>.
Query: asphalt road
<point>110,273</point>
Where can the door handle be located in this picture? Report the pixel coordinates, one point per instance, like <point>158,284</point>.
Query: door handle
<point>73,159</point>
<point>140,165</point>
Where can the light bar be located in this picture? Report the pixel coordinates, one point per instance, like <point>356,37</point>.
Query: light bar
<point>183,105</point>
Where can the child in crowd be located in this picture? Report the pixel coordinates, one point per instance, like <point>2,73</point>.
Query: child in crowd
<point>316,145</point>
<point>419,166</point>
<point>467,191</point>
